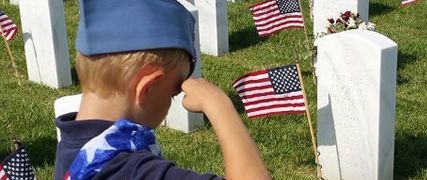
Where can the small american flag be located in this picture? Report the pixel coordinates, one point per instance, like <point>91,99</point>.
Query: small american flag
<point>408,2</point>
<point>271,91</point>
<point>7,26</point>
<point>275,15</point>
<point>17,166</point>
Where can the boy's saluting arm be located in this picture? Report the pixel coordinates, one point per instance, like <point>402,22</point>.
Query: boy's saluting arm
<point>242,159</point>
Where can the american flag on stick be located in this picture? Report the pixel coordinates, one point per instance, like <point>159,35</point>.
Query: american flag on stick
<point>7,27</point>
<point>407,2</point>
<point>271,91</point>
<point>273,16</point>
<point>17,166</point>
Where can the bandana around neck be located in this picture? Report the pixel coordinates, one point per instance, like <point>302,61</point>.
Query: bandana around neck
<point>122,136</point>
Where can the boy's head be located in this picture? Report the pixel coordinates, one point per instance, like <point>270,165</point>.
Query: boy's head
<point>140,50</point>
<point>146,80</point>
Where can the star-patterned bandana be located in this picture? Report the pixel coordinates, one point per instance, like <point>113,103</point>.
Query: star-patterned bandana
<point>123,136</point>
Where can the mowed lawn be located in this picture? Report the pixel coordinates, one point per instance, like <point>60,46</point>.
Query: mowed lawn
<point>284,141</point>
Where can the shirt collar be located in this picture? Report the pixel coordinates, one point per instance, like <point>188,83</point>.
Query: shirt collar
<point>80,130</point>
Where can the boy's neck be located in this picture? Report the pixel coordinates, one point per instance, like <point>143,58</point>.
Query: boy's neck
<point>95,107</point>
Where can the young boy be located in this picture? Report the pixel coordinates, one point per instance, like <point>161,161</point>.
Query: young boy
<point>133,57</point>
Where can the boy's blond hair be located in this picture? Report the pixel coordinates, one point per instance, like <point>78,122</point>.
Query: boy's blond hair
<point>110,74</point>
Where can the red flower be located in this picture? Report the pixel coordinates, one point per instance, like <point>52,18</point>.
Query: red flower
<point>331,20</point>
<point>346,15</point>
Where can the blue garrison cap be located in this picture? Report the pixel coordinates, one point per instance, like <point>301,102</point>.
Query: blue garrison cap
<point>111,26</point>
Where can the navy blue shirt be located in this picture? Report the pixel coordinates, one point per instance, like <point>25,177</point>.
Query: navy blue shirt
<point>126,165</point>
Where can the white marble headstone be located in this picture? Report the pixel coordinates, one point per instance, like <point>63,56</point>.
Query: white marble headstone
<point>64,105</point>
<point>213,26</point>
<point>45,39</point>
<point>356,105</point>
<point>324,9</point>
<point>14,2</point>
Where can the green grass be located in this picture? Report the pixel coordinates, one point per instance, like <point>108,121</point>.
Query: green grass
<point>284,141</point>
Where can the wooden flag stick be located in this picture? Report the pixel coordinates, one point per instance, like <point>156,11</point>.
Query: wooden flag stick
<point>14,139</point>
<point>307,111</point>
<point>15,68</point>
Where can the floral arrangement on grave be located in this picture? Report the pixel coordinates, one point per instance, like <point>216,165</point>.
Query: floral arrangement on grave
<point>348,20</point>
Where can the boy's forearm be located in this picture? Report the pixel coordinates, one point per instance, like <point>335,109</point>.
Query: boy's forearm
<point>242,159</point>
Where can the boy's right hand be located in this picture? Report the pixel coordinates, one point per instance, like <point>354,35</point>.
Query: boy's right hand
<point>242,159</point>
<point>201,95</point>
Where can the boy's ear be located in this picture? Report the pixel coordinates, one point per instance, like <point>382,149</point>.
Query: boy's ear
<point>144,80</point>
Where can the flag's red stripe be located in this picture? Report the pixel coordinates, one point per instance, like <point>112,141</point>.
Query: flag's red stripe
<point>267,10</point>
<point>277,113</point>
<point>276,106</point>
<point>255,10</point>
<point>256,73</point>
<point>257,95</point>
<point>8,31</point>
<point>252,81</point>
<point>278,19</point>
<point>278,25</point>
<point>13,35</point>
<point>274,99</point>
<point>260,3</point>
<point>4,176</point>
<point>270,33</point>
<point>271,12</point>
<point>265,18</point>
<point>5,25</point>
<point>255,88</point>
<point>4,18</point>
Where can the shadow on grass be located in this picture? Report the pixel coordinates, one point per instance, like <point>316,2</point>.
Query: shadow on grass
<point>402,61</point>
<point>74,76</point>
<point>410,156</point>
<point>306,73</point>
<point>235,98</point>
<point>243,38</point>
<point>376,9</point>
<point>42,151</point>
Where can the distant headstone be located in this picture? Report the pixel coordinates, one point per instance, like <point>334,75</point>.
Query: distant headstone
<point>179,118</point>
<point>356,92</point>
<point>64,105</point>
<point>213,26</point>
<point>324,9</point>
<point>14,2</point>
<point>45,38</point>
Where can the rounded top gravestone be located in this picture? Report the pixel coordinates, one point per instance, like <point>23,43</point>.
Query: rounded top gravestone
<point>356,104</point>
